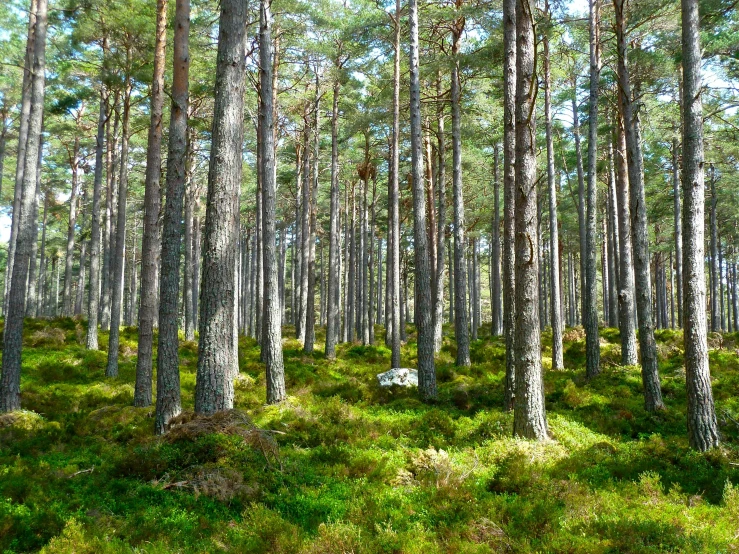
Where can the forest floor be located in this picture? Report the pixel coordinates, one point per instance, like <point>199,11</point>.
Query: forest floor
<point>344,466</point>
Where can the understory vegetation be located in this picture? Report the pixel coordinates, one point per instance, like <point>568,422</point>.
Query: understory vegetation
<point>345,466</point>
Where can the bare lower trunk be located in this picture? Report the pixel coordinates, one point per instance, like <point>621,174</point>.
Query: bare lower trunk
<point>272,344</point>
<point>10,378</point>
<point>424,323</point>
<point>152,193</point>
<point>71,228</point>
<point>117,260</point>
<point>702,429</point>
<point>393,282</point>
<point>214,380</point>
<point>640,237</point>
<point>509,198</point>
<point>529,419</point>
<point>168,360</point>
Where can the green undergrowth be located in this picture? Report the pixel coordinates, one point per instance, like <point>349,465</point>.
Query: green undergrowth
<point>344,466</point>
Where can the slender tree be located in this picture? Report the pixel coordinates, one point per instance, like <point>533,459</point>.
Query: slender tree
<point>10,379</point>
<point>168,371</point>
<point>152,193</point>
<point>702,428</point>
<point>529,418</point>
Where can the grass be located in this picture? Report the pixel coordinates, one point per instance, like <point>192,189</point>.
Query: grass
<point>361,469</point>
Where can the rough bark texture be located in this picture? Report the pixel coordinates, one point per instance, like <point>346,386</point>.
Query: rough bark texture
<point>393,200</point>
<point>424,323</point>
<point>640,236</point>
<point>333,319</point>
<point>702,429</point>
<point>10,379</point>
<point>74,162</point>
<point>626,266</point>
<point>580,196</point>
<point>214,381</point>
<point>440,222</point>
<point>509,198</point>
<point>590,305</point>
<point>272,342</point>
<point>556,307</point>
<point>310,317</point>
<point>93,300</point>
<point>495,284</point>
<point>678,230</point>
<point>152,195</point>
<point>529,419</point>
<point>117,260</point>
<point>461,323</point>
<point>168,359</point>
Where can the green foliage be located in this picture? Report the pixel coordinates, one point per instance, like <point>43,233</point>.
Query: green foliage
<point>362,469</point>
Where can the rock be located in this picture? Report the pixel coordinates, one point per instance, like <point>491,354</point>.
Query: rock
<point>401,376</point>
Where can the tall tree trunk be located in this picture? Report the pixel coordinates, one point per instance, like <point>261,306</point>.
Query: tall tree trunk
<point>556,308</point>
<point>42,285</point>
<point>150,247</point>
<point>93,301</point>
<point>393,281</point>
<point>640,237</point>
<point>509,199</point>
<point>10,378</point>
<point>441,219</point>
<point>424,323</point>
<point>333,320</point>
<point>305,232</point>
<point>214,380</point>
<point>626,292</point>
<point>613,242</point>
<point>110,189</point>
<point>461,324</point>
<point>529,419</point>
<point>310,319</point>
<point>80,279</point>
<point>580,198</point>
<point>23,130</point>
<point>120,233</point>
<point>168,360</point>
<point>495,285</point>
<point>31,297</point>
<point>702,429</point>
<point>590,312</point>
<point>715,275</point>
<point>74,161</point>
<point>678,229</point>
<point>272,344</point>
<point>189,277</point>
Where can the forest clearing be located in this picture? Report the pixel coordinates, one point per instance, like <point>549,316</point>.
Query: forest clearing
<point>344,276</point>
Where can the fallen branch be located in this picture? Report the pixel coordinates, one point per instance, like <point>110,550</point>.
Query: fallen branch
<point>80,472</point>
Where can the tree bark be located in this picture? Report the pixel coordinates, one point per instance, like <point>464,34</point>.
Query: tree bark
<point>74,162</point>
<point>626,268</point>
<point>590,305</point>
<point>461,324</point>
<point>272,343</point>
<point>120,233</point>
<point>10,378</point>
<point>678,230</point>
<point>424,323</point>
<point>440,220</point>
<point>150,247</point>
<point>702,428</point>
<point>529,418</point>
<point>509,198</point>
<point>642,286</point>
<point>168,360</point>
<point>556,308</point>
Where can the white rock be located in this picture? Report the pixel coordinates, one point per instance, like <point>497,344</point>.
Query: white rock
<point>401,376</point>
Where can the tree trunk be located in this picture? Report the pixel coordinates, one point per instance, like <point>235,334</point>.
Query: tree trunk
<point>93,301</point>
<point>424,323</point>
<point>393,281</point>
<point>42,285</point>
<point>189,247</point>
<point>23,129</point>
<point>310,319</point>
<point>529,419</point>
<point>702,429</point>
<point>715,276</point>
<point>31,297</point>
<point>509,198</point>
<point>80,279</point>
<point>440,220</point>
<point>590,305</point>
<point>216,359</point>
<point>168,360</point>
<point>678,230</point>
<point>150,247</point>
<point>556,308</point>
<point>626,268</point>
<point>120,233</point>
<point>495,285</point>
<point>71,226</point>
<point>305,233</point>
<point>640,237</point>
<point>461,323</point>
<point>10,379</point>
<point>580,198</point>
<point>272,343</point>
<point>110,190</point>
